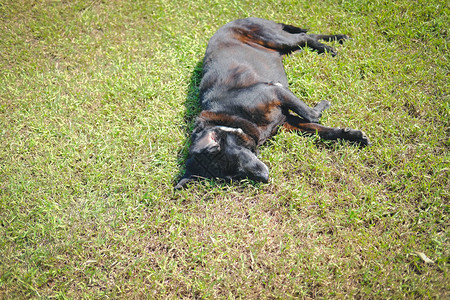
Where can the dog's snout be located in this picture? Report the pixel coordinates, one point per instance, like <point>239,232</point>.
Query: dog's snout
<point>265,177</point>
<point>264,174</point>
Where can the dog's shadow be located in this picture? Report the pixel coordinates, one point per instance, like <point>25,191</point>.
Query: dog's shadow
<point>192,109</point>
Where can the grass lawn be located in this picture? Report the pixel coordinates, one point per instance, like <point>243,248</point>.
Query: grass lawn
<point>97,101</point>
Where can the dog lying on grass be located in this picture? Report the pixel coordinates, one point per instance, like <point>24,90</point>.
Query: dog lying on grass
<point>245,99</point>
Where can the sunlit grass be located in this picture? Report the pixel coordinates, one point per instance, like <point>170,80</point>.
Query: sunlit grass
<point>97,101</point>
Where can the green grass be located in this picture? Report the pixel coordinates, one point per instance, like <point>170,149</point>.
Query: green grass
<point>97,100</point>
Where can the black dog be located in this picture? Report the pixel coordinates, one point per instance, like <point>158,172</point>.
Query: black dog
<point>245,98</point>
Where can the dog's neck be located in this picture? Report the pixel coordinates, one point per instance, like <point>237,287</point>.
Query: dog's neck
<point>233,122</point>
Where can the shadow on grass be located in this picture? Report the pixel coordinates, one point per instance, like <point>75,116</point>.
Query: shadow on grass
<point>192,109</point>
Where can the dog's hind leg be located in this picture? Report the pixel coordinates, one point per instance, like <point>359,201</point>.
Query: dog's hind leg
<point>327,133</point>
<point>295,31</point>
<point>325,37</point>
<point>287,42</point>
<point>312,41</point>
<point>281,37</point>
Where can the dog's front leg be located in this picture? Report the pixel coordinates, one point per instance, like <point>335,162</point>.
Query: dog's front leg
<point>290,101</point>
<point>326,133</point>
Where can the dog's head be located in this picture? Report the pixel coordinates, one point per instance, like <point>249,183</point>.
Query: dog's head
<point>222,152</point>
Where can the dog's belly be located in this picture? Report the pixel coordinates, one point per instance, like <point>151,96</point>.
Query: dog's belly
<point>276,118</point>
<point>241,66</point>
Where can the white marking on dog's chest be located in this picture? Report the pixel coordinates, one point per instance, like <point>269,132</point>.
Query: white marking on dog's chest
<point>230,129</point>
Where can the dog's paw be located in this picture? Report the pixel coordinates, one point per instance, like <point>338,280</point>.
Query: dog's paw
<point>313,116</point>
<point>356,136</point>
<point>330,50</point>
<point>321,106</point>
<point>342,37</point>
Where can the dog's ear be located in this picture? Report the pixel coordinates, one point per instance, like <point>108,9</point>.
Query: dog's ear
<point>183,181</point>
<point>208,143</point>
<point>188,175</point>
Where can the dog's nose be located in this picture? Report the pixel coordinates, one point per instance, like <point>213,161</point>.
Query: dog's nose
<point>265,178</point>
<point>264,175</point>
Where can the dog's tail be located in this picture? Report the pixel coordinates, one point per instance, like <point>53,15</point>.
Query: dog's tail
<point>293,29</point>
